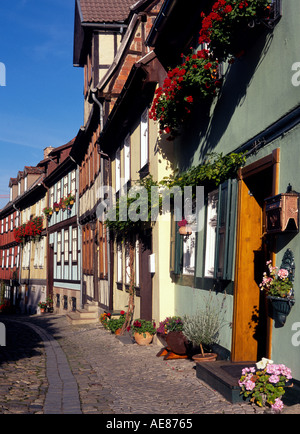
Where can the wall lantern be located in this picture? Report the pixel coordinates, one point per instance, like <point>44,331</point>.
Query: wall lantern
<point>282,213</point>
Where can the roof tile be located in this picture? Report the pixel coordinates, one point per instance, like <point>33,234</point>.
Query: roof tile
<point>105,11</point>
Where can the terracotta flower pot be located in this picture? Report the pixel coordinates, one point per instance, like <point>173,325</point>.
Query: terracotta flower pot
<point>206,357</point>
<point>143,340</point>
<point>185,230</point>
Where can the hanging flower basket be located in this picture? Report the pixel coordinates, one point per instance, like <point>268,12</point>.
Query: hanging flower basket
<point>281,308</point>
<point>231,25</point>
<point>195,80</point>
<point>279,290</point>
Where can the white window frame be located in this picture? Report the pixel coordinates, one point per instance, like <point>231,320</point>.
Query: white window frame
<point>74,244</point>
<point>126,151</point>
<point>118,169</point>
<point>211,234</point>
<point>144,147</point>
<point>119,263</point>
<point>73,182</point>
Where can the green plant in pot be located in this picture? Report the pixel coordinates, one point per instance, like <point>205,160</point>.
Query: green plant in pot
<point>115,324</point>
<point>202,330</point>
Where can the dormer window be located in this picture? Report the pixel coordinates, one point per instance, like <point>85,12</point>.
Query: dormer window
<point>19,188</point>
<point>10,194</point>
<point>25,183</point>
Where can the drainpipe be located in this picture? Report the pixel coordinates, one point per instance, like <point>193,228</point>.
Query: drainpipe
<point>99,105</point>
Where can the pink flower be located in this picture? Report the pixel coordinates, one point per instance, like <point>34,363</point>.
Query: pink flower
<point>249,385</point>
<point>278,404</point>
<point>274,379</point>
<point>282,273</point>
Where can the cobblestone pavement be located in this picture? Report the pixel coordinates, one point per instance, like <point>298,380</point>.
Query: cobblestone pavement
<point>51,367</point>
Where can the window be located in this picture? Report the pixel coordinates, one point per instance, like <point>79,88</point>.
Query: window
<point>39,253</point>
<point>211,227</point>
<point>6,224</point>
<point>3,258</point>
<point>2,226</point>
<point>26,256</point>
<point>74,244</point>
<point>73,182</point>
<point>119,263</point>
<point>215,253</point>
<point>25,183</point>
<point>18,257</point>
<point>127,265</point>
<point>19,188</point>
<point>51,193</point>
<point>144,139</point>
<point>11,222</point>
<point>188,260</point>
<point>118,170</point>
<point>127,159</point>
<point>58,195</point>
<point>12,257</point>
<point>66,246</point>
<point>10,194</point>
<point>59,247</point>
<point>66,184</point>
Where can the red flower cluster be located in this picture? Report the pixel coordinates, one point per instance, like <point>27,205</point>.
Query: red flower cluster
<point>172,102</point>
<point>33,228</point>
<point>137,324</point>
<point>218,27</point>
<point>219,9</point>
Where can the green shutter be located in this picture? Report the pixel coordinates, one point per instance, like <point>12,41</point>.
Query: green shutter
<point>176,246</point>
<point>225,236</point>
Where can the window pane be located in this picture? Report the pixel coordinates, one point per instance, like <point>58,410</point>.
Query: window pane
<point>212,209</point>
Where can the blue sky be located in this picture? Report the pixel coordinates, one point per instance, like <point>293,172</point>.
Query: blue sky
<point>42,102</point>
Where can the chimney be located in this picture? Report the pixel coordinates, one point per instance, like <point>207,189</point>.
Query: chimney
<point>47,151</point>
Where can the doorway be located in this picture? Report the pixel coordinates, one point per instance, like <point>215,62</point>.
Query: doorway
<point>251,324</point>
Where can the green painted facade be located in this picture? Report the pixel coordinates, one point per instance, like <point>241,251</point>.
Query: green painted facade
<point>256,94</point>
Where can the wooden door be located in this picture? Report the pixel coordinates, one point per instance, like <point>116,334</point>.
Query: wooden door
<point>246,298</point>
<point>251,328</point>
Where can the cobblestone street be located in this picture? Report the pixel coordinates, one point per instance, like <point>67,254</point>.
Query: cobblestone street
<point>51,367</point>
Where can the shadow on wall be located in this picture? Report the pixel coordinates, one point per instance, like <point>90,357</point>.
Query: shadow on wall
<point>209,130</point>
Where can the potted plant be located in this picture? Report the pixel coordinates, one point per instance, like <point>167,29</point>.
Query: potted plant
<point>42,305</point>
<point>143,331</point>
<point>104,319</point>
<point>184,228</point>
<point>202,330</point>
<point>50,304</point>
<point>56,206</point>
<point>264,384</point>
<point>231,24</point>
<point>70,199</point>
<point>62,203</point>
<point>115,324</point>
<point>279,290</point>
<point>171,330</point>
<point>195,80</point>
<point>48,211</point>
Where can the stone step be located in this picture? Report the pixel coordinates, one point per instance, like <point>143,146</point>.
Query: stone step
<point>76,318</point>
<point>87,313</point>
